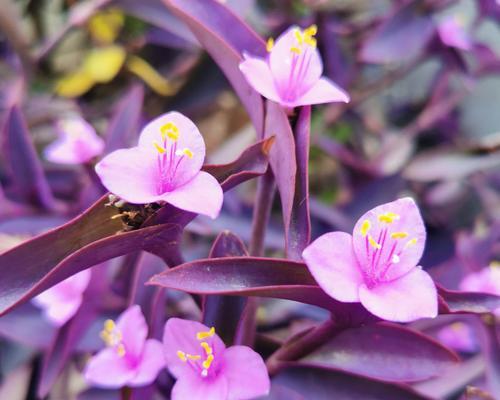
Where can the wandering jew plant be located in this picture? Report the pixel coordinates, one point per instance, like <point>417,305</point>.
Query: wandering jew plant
<point>279,238</point>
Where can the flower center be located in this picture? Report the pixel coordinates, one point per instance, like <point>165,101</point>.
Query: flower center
<point>169,156</point>
<point>387,249</point>
<point>201,362</point>
<point>112,337</point>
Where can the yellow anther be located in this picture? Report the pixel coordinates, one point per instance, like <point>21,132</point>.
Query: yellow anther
<point>457,326</point>
<point>170,130</point>
<point>388,217</point>
<point>311,41</point>
<point>365,227</point>
<point>411,242</point>
<point>159,148</point>
<point>270,44</point>
<point>206,347</point>
<point>121,350</point>
<point>295,50</point>
<point>399,235</point>
<point>185,152</point>
<point>494,264</point>
<point>311,31</point>
<point>204,335</point>
<point>298,36</point>
<point>208,362</point>
<point>109,325</point>
<point>373,243</point>
<point>181,355</point>
<point>194,358</point>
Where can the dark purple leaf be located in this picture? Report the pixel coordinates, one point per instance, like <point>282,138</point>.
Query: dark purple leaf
<point>123,130</point>
<point>28,180</point>
<point>452,301</point>
<point>492,354</point>
<point>300,219</point>
<point>320,383</point>
<point>401,37</point>
<point>224,36</point>
<point>384,351</point>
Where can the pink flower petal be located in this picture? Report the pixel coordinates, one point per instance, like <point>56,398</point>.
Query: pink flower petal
<point>294,74</point>
<point>245,372</point>
<point>60,311</point>
<point>188,137</point>
<point>452,33</point>
<point>152,362</point>
<point>192,387</point>
<point>131,174</point>
<point>459,337</point>
<point>108,370</point>
<point>401,241</point>
<point>201,195</point>
<point>134,330</point>
<point>323,91</point>
<point>180,335</point>
<point>259,76</point>
<point>331,260</point>
<point>487,281</point>
<point>405,299</point>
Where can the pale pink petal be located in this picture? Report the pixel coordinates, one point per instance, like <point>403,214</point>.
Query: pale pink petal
<point>405,299</point>
<point>108,370</point>
<point>189,137</point>
<point>192,387</point>
<point>245,372</point>
<point>396,256</point>
<point>152,362</point>
<point>60,312</point>
<point>201,195</point>
<point>131,174</point>
<point>258,75</point>
<point>487,281</point>
<point>458,336</point>
<point>180,335</point>
<point>331,260</point>
<point>134,330</point>
<point>294,74</point>
<point>452,33</point>
<point>323,91</point>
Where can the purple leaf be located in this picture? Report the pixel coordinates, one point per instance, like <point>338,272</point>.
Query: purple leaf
<point>300,219</point>
<point>320,383</point>
<point>28,180</point>
<point>224,36</point>
<point>401,37</point>
<point>385,351</point>
<point>282,159</point>
<point>123,130</point>
<point>224,312</point>
<point>452,301</point>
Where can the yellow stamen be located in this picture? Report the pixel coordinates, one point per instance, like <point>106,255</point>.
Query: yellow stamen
<point>182,355</point>
<point>365,227</point>
<point>191,357</point>
<point>184,152</point>
<point>270,44</point>
<point>311,31</point>
<point>411,242</point>
<point>373,243</point>
<point>494,264</point>
<point>170,130</point>
<point>109,325</point>
<point>388,217</point>
<point>311,42</point>
<point>206,347</point>
<point>204,335</point>
<point>159,148</point>
<point>399,235</point>
<point>295,50</point>
<point>120,350</point>
<point>298,36</point>
<point>208,362</point>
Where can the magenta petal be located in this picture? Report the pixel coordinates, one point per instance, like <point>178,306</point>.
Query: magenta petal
<point>245,372</point>
<point>131,174</point>
<point>259,76</point>
<point>189,137</point>
<point>108,370</point>
<point>201,195</point>
<point>152,362</point>
<point>487,281</point>
<point>192,387</point>
<point>381,264</point>
<point>58,311</point>
<point>405,299</point>
<point>331,260</point>
<point>134,330</point>
<point>180,335</point>
<point>323,91</point>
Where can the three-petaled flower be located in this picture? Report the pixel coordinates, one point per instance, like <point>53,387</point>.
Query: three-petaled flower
<point>129,359</point>
<point>77,143</point>
<point>165,166</point>
<point>206,369</point>
<point>291,75</point>
<point>377,265</point>
<point>487,281</point>
<point>61,301</point>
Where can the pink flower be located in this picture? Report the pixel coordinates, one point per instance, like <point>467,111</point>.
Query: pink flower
<point>291,75</point>
<point>78,142</point>
<point>377,265</point>
<point>61,302</point>
<point>452,33</point>
<point>487,281</point>
<point>206,370</point>
<point>129,358</point>
<point>458,336</point>
<point>165,166</point>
